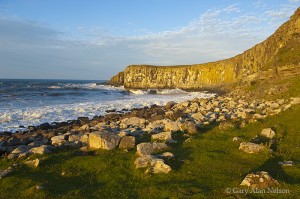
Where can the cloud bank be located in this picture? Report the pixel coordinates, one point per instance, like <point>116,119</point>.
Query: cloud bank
<point>32,50</point>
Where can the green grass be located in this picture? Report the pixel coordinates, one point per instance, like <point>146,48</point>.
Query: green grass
<point>203,168</point>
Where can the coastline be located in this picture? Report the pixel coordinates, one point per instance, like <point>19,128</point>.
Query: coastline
<point>190,116</point>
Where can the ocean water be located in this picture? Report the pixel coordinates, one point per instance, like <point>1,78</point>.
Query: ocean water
<point>32,102</point>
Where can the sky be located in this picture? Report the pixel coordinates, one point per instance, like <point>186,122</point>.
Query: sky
<point>95,39</point>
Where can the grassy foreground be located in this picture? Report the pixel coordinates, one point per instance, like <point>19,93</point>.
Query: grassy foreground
<point>202,168</point>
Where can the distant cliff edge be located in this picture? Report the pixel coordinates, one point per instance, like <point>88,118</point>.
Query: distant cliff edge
<point>276,57</point>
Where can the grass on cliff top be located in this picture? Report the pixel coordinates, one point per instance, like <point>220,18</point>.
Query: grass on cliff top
<point>203,168</point>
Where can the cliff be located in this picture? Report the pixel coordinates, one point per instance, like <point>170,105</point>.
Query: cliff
<point>277,57</point>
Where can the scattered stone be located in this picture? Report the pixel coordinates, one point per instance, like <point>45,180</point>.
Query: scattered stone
<point>103,140</point>
<point>5,172</point>
<point>85,127</point>
<point>127,142</point>
<point>148,148</point>
<point>236,139</point>
<point>40,150</point>
<point>261,180</point>
<point>198,116</point>
<point>144,161</point>
<point>250,147</point>
<point>20,149</point>
<point>286,163</point>
<point>164,136</point>
<point>268,133</point>
<point>158,166</point>
<point>33,163</point>
<point>169,105</point>
<point>133,121</point>
<point>189,127</point>
<point>58,140</point>
<point>172,126</point>
<point>295,101</point>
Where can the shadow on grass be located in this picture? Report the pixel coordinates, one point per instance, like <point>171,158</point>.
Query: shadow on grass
<point>273,167</point>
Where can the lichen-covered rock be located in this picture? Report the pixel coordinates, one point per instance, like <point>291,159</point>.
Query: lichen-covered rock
<point>103,140</point>
<point>261,180</point>
<point>268,133</point>
<point>127,142</point>
<point>250,147</point>
<point>148,148</point>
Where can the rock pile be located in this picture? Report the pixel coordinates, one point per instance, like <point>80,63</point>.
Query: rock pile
<point>120,129</point>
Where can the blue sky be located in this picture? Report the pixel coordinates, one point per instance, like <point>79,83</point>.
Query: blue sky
<point>64,39</point>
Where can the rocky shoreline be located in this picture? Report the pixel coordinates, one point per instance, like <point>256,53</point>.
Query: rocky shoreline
<point>127,128</point>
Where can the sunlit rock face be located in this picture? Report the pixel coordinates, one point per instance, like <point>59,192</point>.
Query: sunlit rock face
<point>277,56</point>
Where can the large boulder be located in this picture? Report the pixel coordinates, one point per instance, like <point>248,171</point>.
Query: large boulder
<point>148,148</point>
<point>250,147</point>
<point>163,136</point>
<point>260,180</point>
<point>127,142</point>
<point>268,133</point>
<point>103,140</point>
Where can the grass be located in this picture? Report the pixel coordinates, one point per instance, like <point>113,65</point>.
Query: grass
<point>203,168</point>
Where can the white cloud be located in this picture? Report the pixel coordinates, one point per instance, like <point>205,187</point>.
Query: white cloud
<point>41,52</point>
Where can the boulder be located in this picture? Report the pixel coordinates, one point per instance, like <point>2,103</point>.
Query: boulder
<point>144,161</point>
<point>295,101</point>
<point>127,142</point>
<point>158,166</point>
<point>20,149</point>
<point>172,126</point>
<point>148,148</point>
<point>58,140</point>
<point>169,105</point>
<point>261,180</point>
<point>189,127</point>
<point>84,127</point>
<point>250,147</point>
<point>103,140</point>
<point>33,163</point>
<point>268,133</point>
<point>164,136</point>
<point>40,150</point>
<point>6,172</point>
<point>133,121</point>
<point>198,117</point>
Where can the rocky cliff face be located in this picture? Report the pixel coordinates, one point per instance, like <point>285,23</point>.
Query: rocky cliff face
<point>277,56</point>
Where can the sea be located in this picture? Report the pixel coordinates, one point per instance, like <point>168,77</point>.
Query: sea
<point>29,102</point>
